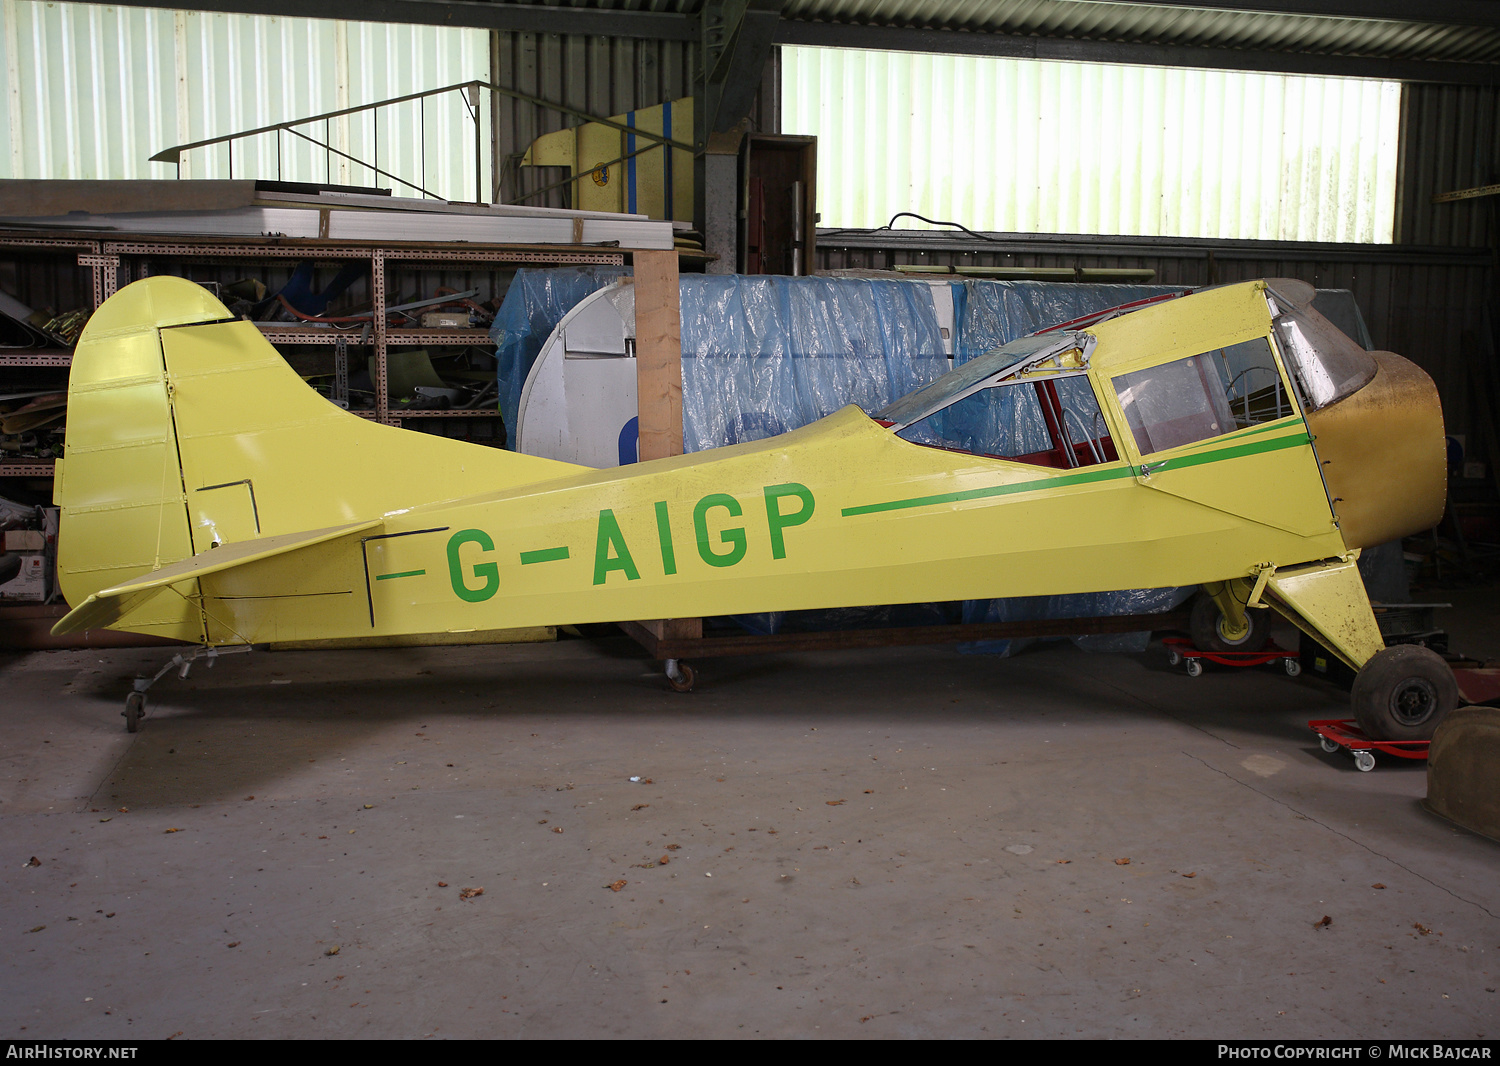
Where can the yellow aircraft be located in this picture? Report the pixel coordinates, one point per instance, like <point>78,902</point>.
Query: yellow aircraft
<point>1231,439</point>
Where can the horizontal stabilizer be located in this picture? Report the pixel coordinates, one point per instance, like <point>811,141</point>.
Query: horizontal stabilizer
<point>108,606</point>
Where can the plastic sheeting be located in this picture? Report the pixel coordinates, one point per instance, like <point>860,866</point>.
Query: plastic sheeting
<point>760,355</point>
<point>764,355</point>
<point>990,313</point>
<point>1081,605</point>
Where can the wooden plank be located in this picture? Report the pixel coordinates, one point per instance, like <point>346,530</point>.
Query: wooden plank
<point>661,646</point>
<point>28,198</point>
<point>673,628</point>
<point>658,387</point>
<point>523,635</point>
<point>642,635</point>
<point>658,355</point>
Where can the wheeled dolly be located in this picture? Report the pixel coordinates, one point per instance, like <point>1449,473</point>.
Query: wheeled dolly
<point>1335,733</point>
<point>1180,649</point>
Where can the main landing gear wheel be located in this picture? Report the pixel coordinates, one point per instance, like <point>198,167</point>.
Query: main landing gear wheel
<point>1207,627</point>
<point>135,710</point>
<point>1402,693</point>
<point>680,675</point>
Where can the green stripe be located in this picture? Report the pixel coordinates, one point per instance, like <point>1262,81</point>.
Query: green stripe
<point>1099,474</point>
<point>1285,422</point>
<point>1275,444</point>
<point>1106,474</point>
<point>404,573</point>
<point>544,555</point>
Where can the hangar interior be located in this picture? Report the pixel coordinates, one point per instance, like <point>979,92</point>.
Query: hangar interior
<point>640,231</point>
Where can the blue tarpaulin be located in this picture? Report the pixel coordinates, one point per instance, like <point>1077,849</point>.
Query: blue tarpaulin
<point>764,355</point>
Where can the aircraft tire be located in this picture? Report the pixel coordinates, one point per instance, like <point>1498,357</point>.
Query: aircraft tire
<point>1402,693</point>
<point>1205,622</point>
<point>135,710</point>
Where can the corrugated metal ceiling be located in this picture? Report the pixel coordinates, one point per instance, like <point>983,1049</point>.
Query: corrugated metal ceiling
<point>1459,33</point>
<point>1160,25</point>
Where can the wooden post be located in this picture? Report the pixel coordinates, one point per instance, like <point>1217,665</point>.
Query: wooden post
<point>658,355</point>
<point>658,384</point>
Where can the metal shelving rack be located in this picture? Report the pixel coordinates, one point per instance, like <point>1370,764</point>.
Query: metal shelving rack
<point>88,254</point>
<point>108,258</point>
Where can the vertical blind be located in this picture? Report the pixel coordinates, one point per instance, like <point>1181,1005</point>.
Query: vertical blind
<point>1037,146</point>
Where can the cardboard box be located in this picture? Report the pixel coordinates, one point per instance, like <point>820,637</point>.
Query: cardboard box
<point>30,584</point>
<point>25,540</point>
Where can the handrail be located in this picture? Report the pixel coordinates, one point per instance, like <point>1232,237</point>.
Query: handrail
<point>174,154</point>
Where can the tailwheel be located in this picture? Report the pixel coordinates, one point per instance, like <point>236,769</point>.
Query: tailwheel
<point>1402,693</point>
<point>135,710</point>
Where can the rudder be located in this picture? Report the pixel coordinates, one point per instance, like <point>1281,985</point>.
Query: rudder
<point>119,483</point>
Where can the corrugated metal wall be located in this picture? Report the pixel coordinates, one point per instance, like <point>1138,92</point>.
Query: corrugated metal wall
<point>1047,147</point>
<point>93,91</point>
<point>1449,141</point>
<point>601,75</point>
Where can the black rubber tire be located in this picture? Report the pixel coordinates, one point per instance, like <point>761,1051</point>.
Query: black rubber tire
<point>1204,627</point>
<point>135,710</point>
<point>1402,693</point>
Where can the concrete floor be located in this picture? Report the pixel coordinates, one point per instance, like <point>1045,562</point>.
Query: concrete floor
<point>894,843</point>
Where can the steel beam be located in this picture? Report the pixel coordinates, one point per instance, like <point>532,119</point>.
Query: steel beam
<point>735,42</point>
<point>1438,12</point>
<point>516,18</point>
<point>956,42</point>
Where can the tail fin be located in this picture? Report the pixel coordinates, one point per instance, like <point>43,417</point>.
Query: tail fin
<point>187,431</point>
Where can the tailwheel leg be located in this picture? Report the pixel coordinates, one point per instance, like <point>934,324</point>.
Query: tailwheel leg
<point>135,703</point>
<point>679,675</point>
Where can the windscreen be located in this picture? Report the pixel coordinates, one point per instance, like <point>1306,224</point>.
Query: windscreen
<point>963,378</point>
<point>1324,363</point>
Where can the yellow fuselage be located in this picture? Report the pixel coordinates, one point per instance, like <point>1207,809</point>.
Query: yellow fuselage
<point>196,455</point>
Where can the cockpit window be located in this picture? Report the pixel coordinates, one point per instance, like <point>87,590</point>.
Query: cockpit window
<point>1252,384</point>
<point>1325,365</point>
<point>1203,396</point>
<point>1174,404</point>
